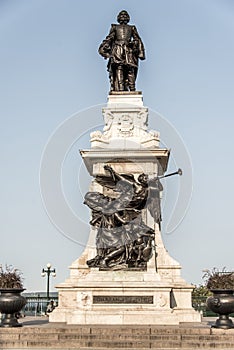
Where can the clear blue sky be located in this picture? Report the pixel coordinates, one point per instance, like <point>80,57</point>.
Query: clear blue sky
<point>50,70</point>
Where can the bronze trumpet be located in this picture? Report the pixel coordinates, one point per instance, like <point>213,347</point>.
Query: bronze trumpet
<point>178,172</point>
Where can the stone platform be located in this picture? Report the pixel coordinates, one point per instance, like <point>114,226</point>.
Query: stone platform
<point>123,297</point>
<point>37,333</point>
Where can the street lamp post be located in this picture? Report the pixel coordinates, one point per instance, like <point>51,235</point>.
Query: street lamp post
<point>49,271</point>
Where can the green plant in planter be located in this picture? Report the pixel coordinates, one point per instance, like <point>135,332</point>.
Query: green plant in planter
<point>219,279</point>
<point>10,278</point>
<point>11,302</point>
<point>221,283</point>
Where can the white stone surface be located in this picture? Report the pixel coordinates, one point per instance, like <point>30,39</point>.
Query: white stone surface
<point>125,119</point>
<point>132,161</point>
<point>117,99</point>
<point>76,299</point>
<point>126,124</point>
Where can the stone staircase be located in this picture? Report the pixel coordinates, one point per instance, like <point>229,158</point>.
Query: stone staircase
<point>65,337</point>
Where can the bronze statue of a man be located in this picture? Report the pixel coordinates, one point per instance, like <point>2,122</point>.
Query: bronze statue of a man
<point>123,47</point>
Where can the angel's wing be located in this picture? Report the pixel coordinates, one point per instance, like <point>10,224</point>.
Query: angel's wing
<point>154,200</point>
<point>109,182</point>
<point>105,180</point>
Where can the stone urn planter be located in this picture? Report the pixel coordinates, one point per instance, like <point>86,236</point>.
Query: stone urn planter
<point>222,303</point>
<point>221,284</point>
<point>11,302</point>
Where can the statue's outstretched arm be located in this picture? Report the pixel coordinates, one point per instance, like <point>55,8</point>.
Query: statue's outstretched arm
<point>115,176</point>
<point>127,178</point>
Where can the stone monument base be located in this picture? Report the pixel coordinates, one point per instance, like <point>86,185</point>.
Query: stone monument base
<point>91,296</point>
<point>156,295</point>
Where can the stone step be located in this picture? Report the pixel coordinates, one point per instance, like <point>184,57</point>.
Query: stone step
<point>116,337</point>
<point>104,345</point>
<point>128,329</point>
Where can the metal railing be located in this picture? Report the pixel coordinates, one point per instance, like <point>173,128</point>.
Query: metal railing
<point>36,305</point>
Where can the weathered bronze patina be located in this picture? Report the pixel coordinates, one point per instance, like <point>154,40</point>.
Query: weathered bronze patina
<point>123,47</point>
<point>123,240</point>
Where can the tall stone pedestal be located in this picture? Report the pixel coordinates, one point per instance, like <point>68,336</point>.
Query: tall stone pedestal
<point>156,295</point>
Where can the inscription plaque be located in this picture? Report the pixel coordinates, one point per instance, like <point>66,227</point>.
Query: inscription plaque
<point>123,299</point>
